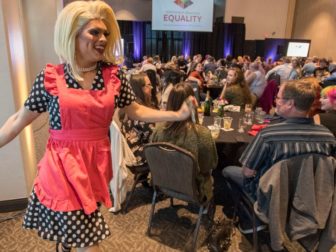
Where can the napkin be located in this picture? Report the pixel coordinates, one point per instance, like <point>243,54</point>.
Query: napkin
<point>231,129</point>
<point>232,108</point>
<point>256,128</point>
<point>211,127</point>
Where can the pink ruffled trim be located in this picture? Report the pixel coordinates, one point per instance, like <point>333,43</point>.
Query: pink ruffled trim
<point>67,205</point>
<point>50,74</point>
<point>110,74</point>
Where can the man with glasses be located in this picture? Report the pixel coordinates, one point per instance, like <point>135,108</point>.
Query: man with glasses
<point>296,135</point>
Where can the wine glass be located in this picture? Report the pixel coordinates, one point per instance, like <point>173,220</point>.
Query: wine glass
<point>241,125</point>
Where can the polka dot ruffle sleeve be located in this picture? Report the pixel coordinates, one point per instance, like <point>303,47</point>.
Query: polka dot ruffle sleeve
<point>38,98</point>
<point>126,96</point>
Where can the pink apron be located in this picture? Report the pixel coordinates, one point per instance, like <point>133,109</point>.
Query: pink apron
<point>75,171</point>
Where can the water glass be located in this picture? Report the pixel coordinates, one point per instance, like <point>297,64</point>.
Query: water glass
<point>218,121</point>
<point>248,118</point>
<point>258,110</point>
<point>241,125</point>
<point>261,116</point>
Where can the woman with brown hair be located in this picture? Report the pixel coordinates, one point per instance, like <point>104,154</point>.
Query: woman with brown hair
<point>192,137</point>
<point>137,132</point>
<point>235,90</point>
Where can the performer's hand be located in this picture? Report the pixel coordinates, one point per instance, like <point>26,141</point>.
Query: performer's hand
<point>247,172</point>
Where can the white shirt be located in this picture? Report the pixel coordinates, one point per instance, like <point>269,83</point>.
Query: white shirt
<point>283,70</point>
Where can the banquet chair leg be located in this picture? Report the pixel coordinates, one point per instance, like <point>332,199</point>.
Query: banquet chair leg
<point>235,209</point>
<point>151,213</point>
<point>255,234</point>
<point>136,180</point>
<point>196,231</point>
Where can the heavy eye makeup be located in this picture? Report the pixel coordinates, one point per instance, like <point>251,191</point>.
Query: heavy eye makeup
<point>97,32</point>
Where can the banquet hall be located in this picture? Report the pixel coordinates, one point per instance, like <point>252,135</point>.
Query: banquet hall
<point>243,49</point>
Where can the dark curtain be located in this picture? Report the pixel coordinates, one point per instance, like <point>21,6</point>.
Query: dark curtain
<point>139,39</point>
<point>225,39</point>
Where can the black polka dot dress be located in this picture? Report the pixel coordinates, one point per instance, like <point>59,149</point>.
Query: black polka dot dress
<point>73,228</point>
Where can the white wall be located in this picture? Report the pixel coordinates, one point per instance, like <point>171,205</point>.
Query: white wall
<point>24,50</point>
<point>40,44</point>
<point>263,18</point>
<point>39,27</point>
<point>132,10</point>
<point>137,10</point>
<point>316,20</point>
<point>12,177</point>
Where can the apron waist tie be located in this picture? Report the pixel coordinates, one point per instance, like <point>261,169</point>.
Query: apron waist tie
<point>79,134</point>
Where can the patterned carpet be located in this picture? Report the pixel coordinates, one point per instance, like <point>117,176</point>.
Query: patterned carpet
<point>171,230</point>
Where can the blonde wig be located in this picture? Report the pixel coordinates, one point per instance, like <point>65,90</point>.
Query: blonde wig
<point>70,23</point>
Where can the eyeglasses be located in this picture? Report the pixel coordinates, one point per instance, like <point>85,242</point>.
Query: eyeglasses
<point>281,98</point>
<point>148,85</point>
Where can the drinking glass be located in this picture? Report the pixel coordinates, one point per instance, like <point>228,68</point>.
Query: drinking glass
<point>248,118</point>
<point>200,118</point>
<point>241,125</point>
<point>202,106</point>
<point>262,115</point>
<point>218,121</point>
<point>227,122</point>
<point>248,108</point>
<point>215,131</point>
<point>258,109</point>
<point>215,106</point>
<point>257,114</point>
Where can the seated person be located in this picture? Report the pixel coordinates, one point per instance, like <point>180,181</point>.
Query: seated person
<point>316,106</point>
<point>192,137</point>
<point>137,133</point>
<point>255,80</point>
<point>235,91</point>
<point>221,71</point>
<point>171,78</point>
<point>296,135</point>
<point>210,66</point>
<point>322,71</point>
<point>154,79</point>
<point>328,104</point>
<point>279,141</point>
<point>197,75</point>
<point>309,67</point>
<point>330,80</point>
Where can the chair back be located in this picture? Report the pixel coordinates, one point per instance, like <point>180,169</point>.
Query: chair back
<point>266,100</point>
<point>173,170</point>
<point>297,195</point>
<point>275,77</point>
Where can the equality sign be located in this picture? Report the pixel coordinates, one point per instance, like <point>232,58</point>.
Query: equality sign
<point>182,15</point>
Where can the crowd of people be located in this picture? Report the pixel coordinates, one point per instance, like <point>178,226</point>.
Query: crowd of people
<point>82,93</point>
<point>243,80</point>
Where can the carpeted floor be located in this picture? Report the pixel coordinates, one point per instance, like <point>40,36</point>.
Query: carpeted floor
<point>172,229</point>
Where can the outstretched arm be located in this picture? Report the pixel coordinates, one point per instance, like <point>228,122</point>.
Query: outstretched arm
<point>15,124</point>
<point>139,112</point>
